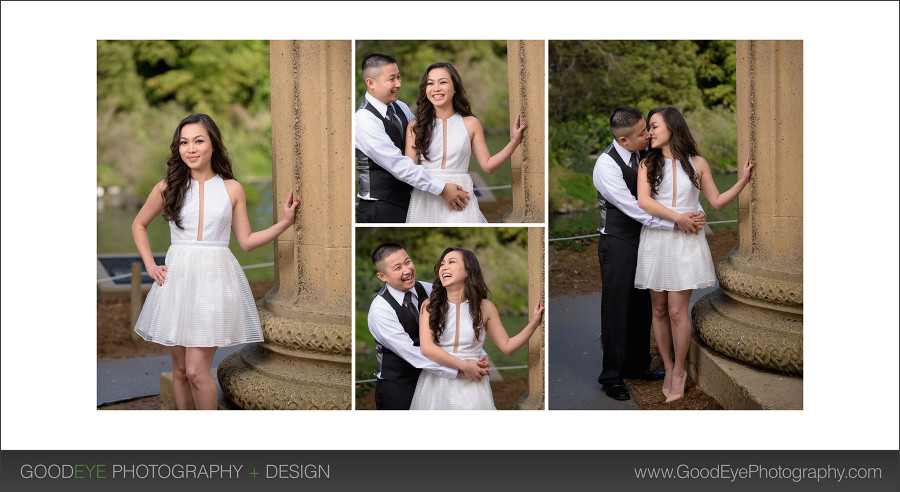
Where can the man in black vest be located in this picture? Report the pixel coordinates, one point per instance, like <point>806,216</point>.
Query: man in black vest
<point>394,322</point>
<point>625,312</point>
<point>386,176</point>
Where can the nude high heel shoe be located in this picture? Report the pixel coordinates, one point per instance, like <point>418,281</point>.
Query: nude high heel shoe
<point>681,382</point>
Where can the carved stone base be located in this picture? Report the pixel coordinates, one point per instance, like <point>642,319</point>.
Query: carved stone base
<point>738,386</point>
<point>758,336</point>
<point>326,336</point>
<point>257,378</point>
<point>304,364</point>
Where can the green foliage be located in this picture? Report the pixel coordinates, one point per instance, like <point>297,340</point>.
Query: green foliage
<point>502,254</point>
<point>715,130</point>
<point>481,65</point>
<point>208,76</point>
<point>365,346</point>
<point>144,88</point>
<point>717,73</point>
<point>593,77</point>
<point>588,79</point>
<point>573,142</point>
<point>119,86</point>
<point>570,190</point>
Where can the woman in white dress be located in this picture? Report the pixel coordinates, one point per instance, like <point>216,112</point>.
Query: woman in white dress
<point>452,325</point>
<point>200,298</point>
<point>672,263</point>
<point>442,138</point>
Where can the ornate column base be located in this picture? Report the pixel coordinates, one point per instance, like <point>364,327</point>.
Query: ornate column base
<point>739,386</point>
<point>307,368</point>
<point>756,316</point>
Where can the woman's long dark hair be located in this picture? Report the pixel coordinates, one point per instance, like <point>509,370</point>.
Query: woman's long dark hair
<point>683,148</point>
<point>178,175</point>
<point>425,110</point>
<point>475,291</point>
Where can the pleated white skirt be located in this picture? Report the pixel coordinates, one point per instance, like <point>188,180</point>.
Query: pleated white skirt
<point>437,393</point>
<point>204,302</point>
<point>671,260</point>
<point>425,207</point>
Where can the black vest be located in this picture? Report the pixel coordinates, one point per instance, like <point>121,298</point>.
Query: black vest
<point>616,222</point>
<point>391,366</point>
<point>373,179</point>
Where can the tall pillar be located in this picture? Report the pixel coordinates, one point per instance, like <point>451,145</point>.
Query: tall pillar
<point>756,315</point>
<point>534,397</point>
<point>305,360</point>
<point>525,65</point>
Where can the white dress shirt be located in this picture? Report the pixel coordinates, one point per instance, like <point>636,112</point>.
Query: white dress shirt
<point>372,140</point>
<point>387,330</point>
<point>610,183</point>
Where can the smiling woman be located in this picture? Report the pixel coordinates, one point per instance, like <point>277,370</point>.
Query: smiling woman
<point>444,135</point>
<point>395,342</point>
<point>200,298</point>
<point>453,332</point>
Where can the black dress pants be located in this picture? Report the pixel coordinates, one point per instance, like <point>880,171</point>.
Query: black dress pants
<point>625,312</point>
<point>392,396</point>
<point>379,211</point>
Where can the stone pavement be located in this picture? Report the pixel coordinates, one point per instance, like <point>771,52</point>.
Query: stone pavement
<point>576,355</point>
<point>124,379</point>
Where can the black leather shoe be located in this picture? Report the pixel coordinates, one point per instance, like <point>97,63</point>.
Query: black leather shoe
<point>648,375</point>
<point>616,391</point>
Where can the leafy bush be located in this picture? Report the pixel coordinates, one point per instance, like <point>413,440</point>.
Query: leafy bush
<point>715,130</point>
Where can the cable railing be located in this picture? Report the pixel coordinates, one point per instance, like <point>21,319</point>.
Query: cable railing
<point>598,234</point>
<point>126,275</point>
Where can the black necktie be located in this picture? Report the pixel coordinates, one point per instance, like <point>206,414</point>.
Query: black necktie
<point>634,161</point>
<point>408,304</point>
<point>392,116</point>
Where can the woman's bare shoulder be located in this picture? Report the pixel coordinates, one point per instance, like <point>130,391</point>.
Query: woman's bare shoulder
<point>233,185</point>
<point>473,126</point>
<point>471,120</point>
<point>488,306</point>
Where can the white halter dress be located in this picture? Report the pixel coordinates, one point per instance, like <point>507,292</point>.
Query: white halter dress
<point>205,300</point>
<point>434,392</point>
<point>671,260</point>
<point>425,207</point>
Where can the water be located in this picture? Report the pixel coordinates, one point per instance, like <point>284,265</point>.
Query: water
<point>575,221</point>
<point>114,231</point>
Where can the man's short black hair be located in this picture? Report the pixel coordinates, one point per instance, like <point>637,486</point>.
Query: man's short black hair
<point>383,251</point>
<point>623,119</point>
<point>377,60</point>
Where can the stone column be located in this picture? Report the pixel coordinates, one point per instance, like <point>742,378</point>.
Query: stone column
<point>756,315</point>
<point>305,360</point>
<point>534,397</point>
<point>525,62</point>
